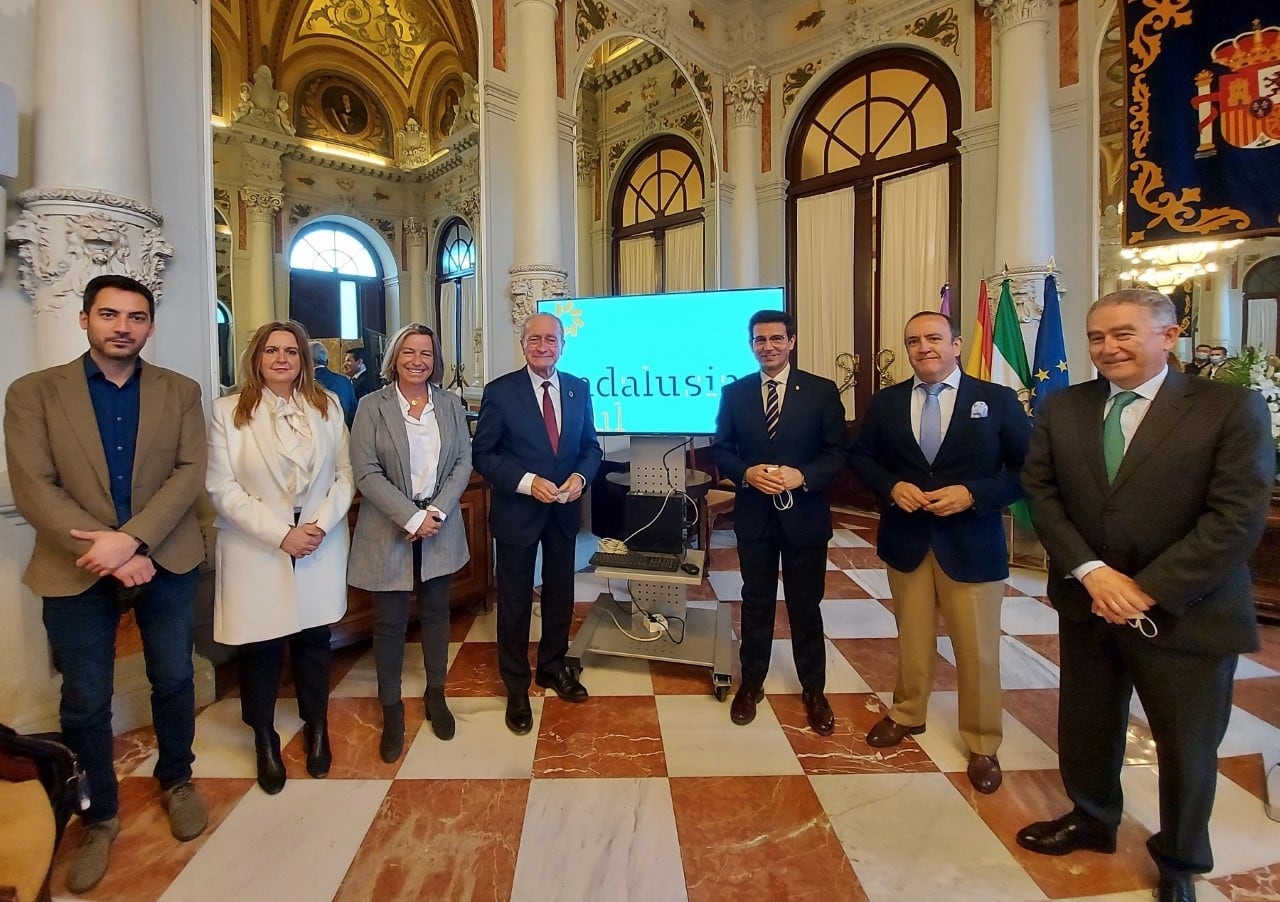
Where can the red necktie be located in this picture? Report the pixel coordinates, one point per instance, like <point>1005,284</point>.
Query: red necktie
<point>549,417</point>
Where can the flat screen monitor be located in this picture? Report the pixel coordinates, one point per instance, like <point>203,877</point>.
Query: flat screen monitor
<point>657,362</point>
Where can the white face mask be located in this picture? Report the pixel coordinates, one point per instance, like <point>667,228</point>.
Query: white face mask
<point>1216,358</point>
<point>1201,357</point>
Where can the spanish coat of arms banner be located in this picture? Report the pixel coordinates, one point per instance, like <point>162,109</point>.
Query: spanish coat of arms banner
<point>1202,82</point>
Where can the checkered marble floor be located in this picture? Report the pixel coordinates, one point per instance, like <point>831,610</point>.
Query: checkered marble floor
<point>648,792</point>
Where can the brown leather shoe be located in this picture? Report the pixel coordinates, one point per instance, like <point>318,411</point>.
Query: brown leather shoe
<point>889,732</point>
<point>743,709</point>
<point>984,773</point>
<point>821,717</point>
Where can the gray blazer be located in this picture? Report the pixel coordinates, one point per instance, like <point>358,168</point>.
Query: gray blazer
<point>381,559</point>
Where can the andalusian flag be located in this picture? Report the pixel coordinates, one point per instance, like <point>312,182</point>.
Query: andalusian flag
<point>979,363</point>
<point>1009,363</point>
<point>1050,370</point>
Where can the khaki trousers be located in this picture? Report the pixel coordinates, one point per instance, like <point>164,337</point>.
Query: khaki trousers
<point>972,612</point>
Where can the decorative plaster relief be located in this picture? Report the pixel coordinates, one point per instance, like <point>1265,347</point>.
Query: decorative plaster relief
<point>860,33</point>
<point>66,236</point>
<point>260,164</point>
<point>412,148</point>
<point>396,31</point>
<point>592,17</point>
<point>812,20</point>
<point>796,79</point>
<point>942,27</point>
<point>588,163</point>
<point>652,23</point>
<point>744,95</point>
<point>262,106</point>
<point>533,283</point>
<point>415,230</point>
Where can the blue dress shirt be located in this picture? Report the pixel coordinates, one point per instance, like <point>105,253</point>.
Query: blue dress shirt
<point>116,409</point>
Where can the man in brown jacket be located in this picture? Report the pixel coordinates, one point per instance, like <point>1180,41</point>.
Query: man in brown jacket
<point>106,459</point>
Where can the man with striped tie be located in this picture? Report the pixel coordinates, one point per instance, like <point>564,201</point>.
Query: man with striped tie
<point>780,438</point>
<point>943,453</point>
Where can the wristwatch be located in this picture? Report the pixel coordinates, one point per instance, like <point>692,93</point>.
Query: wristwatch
<point>143,548</point>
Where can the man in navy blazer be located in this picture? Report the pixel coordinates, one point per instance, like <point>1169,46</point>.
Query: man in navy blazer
<point>536,443</point>
<point>780,437</point>
<point>943,454</point>
<point>337,383</point>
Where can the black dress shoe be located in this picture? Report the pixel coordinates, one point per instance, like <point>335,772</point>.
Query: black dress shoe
<point>266,744</point>
<point>1175,886</point>
<point>743,709</point>
<point>984,773</point>
<point>392,742</point>
<point>888,732</point>
<point>1069,833</point>
<point>438,713</point>
<point>519,714</point>
<point>319,755</point>
<point>818,710</point>
<point>563,685</point>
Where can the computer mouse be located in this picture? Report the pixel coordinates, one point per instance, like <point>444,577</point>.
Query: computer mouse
<point>691,569</point>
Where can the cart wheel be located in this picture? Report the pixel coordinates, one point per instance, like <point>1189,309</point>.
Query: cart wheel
<point>721,693</point>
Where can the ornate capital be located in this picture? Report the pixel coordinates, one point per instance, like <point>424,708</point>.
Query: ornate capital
<point>261,205</point>
<point>588,163</point>
<point>1005,14</point>
<point>66,236</point>
<point>744,94</point>
<point>533,283</point>
<point>415,230</point>
<point>262,106</point>
<point>1026,285</point>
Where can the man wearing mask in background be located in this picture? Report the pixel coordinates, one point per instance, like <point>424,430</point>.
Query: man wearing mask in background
<point>1199,362</point>
<point>1217,357</point>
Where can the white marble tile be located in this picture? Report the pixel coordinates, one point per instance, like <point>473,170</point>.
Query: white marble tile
<point>1021,667</point>
<point>723,538</point>
<point>875,582</point>
<point>1028,582</point>
<point>727,584</point>
<point>1020,749</point>
<point>1247,734</point>
<point>882,824</point>
<point>857,618</point>
<point>782,678</point>
<point>588,586</point>
<point>599,839</point>
<point>1137,895</point>
<point>1022,616</point>
<point>223,744</point>
<point>1249,669</point>
<point>295,845</point>
<point>361,680</point>
<point>482,749</point>
<point>1242,836</point>
<point>605,675</point>
<point>485,627</point>
<point>847,538</point>
<point>700,741</point>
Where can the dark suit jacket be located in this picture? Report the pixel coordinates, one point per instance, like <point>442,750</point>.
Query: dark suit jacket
<point>982,452</point>
<point>511,440</point>
<point>341,386</point>
<point>810,438</point>
<point>58,471</point>
<point>1186,511</point>
<point>366,383</point>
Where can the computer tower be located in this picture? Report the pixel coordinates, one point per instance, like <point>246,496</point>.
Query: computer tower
<point>655,523</point>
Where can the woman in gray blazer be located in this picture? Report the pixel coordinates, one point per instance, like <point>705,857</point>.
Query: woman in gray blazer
<point>411,457</point>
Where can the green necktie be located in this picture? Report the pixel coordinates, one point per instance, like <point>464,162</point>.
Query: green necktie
<point>1112,437</point>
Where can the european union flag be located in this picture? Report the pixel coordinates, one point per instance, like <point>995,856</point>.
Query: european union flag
<point>1049,369</point>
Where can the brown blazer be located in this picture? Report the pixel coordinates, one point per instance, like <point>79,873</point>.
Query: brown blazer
<point>58,471</point>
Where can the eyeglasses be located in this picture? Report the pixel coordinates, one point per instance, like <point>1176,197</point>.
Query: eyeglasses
<point>776,341</point>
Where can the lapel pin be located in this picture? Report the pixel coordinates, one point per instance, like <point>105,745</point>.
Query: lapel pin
<point>570,393</point>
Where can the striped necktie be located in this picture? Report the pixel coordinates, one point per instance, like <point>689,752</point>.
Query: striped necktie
<point>771,408</point>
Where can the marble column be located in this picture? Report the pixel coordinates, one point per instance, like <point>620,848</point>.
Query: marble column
<point>415,233</point>
<point>89,211</point>
<point>538,271</point>
<point>257,305</point>
<point>743,96</point>
<point>588,165</point>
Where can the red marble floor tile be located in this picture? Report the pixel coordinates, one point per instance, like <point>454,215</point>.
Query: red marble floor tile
<point>722,559</point>
<point>846,751</point>
<point>751,838</point>
<point>128,638</point>
<point>781,625</point>
<point>855,558</point>
<point>678,679</point>
<point>1037,710</point>
<point>145,858</point>
<point>441,839</point>
<point>474,671</point>
<point>1258,885</point>
<point>1045,646</point>
<point>460,622</point>
<point>355,729</point>
<point>1247,772</point>
<point>130,749</point>
<point>1268,654</point>
<point>340,664</point>
<point>605,737</point>
<point>703,591</point>
<point>876,661</point>
<point>1029,796</point>
<point>1260,697</point>
<point>840,585</point>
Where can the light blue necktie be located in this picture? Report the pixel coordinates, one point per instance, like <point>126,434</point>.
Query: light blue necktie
<point>931,421</point>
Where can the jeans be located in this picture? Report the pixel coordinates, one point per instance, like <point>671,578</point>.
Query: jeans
<point>82,637</point>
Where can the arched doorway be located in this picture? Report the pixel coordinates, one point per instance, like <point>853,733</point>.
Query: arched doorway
<point>336,288</point>
<point>1261,299</point>
<point>873,214</point>
<point>456,310</point>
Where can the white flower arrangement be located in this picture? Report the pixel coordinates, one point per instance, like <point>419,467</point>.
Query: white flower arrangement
<point>1260,372</point>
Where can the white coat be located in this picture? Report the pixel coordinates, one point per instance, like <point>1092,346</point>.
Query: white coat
<point>261,592</point>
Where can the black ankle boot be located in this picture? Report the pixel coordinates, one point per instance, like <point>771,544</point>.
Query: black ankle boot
<point>319,756</point>
<point>392,743</point>
<point>266,744</point>
<point>439,714</point>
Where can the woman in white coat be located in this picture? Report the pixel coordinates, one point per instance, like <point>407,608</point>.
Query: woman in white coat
<point>280,479</point>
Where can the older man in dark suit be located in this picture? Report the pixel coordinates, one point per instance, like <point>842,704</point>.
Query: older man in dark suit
<point>536,443</point>
<point>779,435</point>
<point>943,453</point>
<point>1149,527</point>
<point>337,383</point>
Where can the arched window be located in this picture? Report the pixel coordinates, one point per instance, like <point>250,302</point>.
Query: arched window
<point>873,214</point>
<point>658,220</point>
<point>1261,299</point>
<point>456,310</point>
<point>335,285</point>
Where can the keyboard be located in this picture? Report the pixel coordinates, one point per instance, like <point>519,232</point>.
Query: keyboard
<point>654,561</point>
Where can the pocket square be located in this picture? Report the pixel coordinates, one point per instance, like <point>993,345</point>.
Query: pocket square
<point>978,410</point>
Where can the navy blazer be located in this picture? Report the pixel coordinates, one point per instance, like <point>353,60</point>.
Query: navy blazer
<point>511,440</point>
<point>341,386</point>
<point>983,451</point>
<point>810,438</point>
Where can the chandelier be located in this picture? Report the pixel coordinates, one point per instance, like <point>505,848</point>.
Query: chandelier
<point>1164,267</point>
